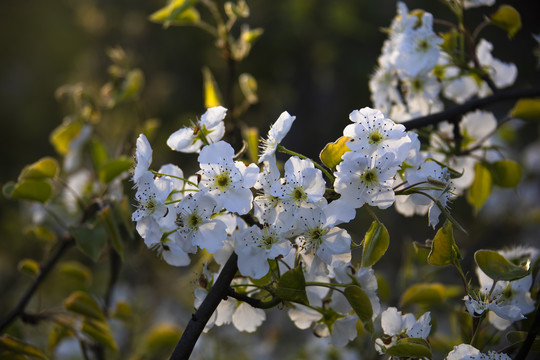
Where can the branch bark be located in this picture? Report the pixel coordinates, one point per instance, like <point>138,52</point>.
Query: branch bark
<point>44,271</point>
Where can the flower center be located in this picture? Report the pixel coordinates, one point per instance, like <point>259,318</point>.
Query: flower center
<point>422,45</point>
<point>222,181</point>
<point>268,239</point>
<point>369,176</point>
<point>375,137</point>
<point>316,237</point>
<point>298,194</point>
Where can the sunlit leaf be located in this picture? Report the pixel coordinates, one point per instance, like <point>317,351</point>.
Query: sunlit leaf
<point>332,152</point>
<point>90,239</point>
<point>505,173</point>
<point>292,286</point>
<point>251,135</point>
<point>507,18</point>
<point>122,311</point>
<point>62,136</point>
<point>248,86</point>
<point>481,187</point>
<point>83,304</point>
<point>17,347</point>
<point>33,190</point>
<point>375,244</point>
<point>177,12</point>
<point>44,168</point>
<point>497,267</point>
<point>161,337</point>
<point>359,301</point>
<point>98,153</point>
<point>424,293</point>
<point>444,250</point>
<point>212,96</point>
<point>41,232</point>
<point>526,109</point>
<point>29,266</point>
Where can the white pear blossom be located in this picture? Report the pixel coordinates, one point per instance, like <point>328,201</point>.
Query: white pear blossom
<point>364,179</point>
<point>503,74</point>
<point>255,246</point>
<point>469,352</point>
<point>476,3</point>
<point>275,135</point>
<point>209,129</point>
<point>143,157</point>
<point>371,132</point>
<point>395,324</point>
<point>229,182</point>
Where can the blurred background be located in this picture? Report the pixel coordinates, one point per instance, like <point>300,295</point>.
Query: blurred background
<point>313,60</point>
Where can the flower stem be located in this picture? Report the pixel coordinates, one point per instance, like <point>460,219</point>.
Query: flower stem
<point>284,150</point>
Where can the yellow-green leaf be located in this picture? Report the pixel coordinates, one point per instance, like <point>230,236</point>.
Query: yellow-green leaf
<point>292,286</point>
<point>505,173</point>
<point>17,347</point>
<point>481,187</point>
<point>29,266</point>
<point>122,311</point>
<point>527,109</point>
<point>111,225</point>
<point>33,190</point>
<point>375,243</point>
<point>100,332</point>
<point>507,18</point>
<point>251,135</point>
<point>424,293</point>
<point>44,168</point>
<point>332,152</point>
<point>41,232</point>
<point>83,304</point>
<point>212,96</point>
<point>497,267</point>
<point>160,338</point>
<point>410,348</point>
<point>62,136</point>
<point>444,250</point>
<point>177,12</point>
<point>98,153</point>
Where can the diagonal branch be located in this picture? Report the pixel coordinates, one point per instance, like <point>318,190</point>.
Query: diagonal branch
<point>458,111</point>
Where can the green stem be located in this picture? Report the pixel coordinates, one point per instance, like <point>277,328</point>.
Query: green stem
<point>371,213</point>
<point>319,166</point>
<point>175,177</point>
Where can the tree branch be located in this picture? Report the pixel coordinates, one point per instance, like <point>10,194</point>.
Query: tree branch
<point>198,321</point>
<point>44,271</point>
<point>533,331</point>
<point>462,109</point>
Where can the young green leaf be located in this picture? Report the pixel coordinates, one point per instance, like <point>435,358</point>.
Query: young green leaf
<point>292,286</point>
<point>424,293</point>
<point>505,173</point>
<point>100,332</point>
<point>90,239</point>
<point>507,18</point>
<point>376,242</point>
<point>29,266</point>
<point>444,250</point>
<point>83,304</point>
<point>212,95</point>
<point>33,190</point>
<point>360,302</point>
<point>481,187</point>
<point>111,169</point>
<point>498,268</point>
<point>177,12</point>
<point>410,348</point>
<point>44,168</point>
<point>17,347</point>
<point>332,152</point>
<point>111,225</point>
<point>526,109</point>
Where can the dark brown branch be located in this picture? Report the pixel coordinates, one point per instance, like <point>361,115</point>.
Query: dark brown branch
<point>256,303</point>
<point>198,321</point>
<point>44,271</point>
<point>458,111</point>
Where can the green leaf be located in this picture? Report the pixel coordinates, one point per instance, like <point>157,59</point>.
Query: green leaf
<point>122,311</point>
<point>424,293</point>
<point>41,233</point>
<point>410,348</point>
<point>61,136</point>
<point>505,173</point>
<point>18,347</point>
<point>83,304</point>
<point>332,152</point>
<point>518,337</point>
<point>360,302</point>
<point>33,190</point>
<point>526,109</point>
<point>111,225</point>
<point>507,18</point>
<point>376,243</point>
<point>212,95</point>
<point>292,286</point>
<point>481,187</point>
<point>497,267</point>
<point>44,168</point>
<point>444,250</point>
<point>251,135</point>
<point>29,266</point>
<point>100,332</point>
<point>111,169</point>
<point>90,239</point>
<point>177,12</point>
<point>161,337</point>
<point>98,153</point>
<point>77,271</point>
